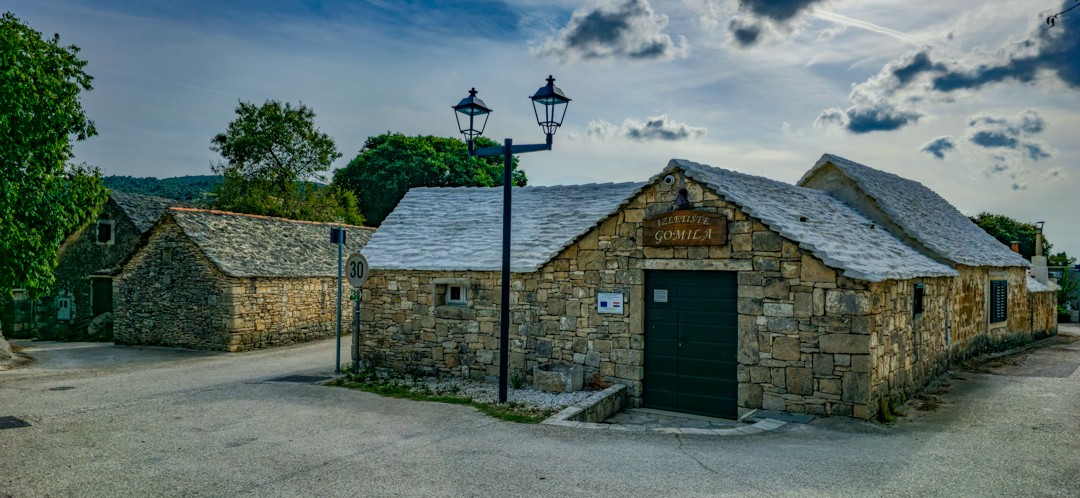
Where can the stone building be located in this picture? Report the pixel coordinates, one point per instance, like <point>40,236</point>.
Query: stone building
<point>87,258</point>
<point>703,290</point>
<point>216,280</point>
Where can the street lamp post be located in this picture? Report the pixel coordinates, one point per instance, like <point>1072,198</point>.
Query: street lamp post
<point>553,102</point>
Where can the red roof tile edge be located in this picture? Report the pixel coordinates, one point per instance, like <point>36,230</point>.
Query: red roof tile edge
<point>214,211</point>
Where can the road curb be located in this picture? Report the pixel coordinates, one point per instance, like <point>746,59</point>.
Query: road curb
<point>755,428</point>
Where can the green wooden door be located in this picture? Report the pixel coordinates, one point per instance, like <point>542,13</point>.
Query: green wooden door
<point>691,342</point>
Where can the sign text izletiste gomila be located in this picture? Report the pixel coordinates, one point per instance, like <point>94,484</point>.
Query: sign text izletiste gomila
<point>686,228</point>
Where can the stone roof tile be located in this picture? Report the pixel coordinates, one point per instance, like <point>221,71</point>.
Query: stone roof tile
<point>834,232</point>
<point>461,228</point>
<point>925,216</point>
<point>144,210</point>
<point>243,245</point>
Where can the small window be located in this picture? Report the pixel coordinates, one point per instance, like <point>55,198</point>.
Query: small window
<point>456,294</point>
<point>999,301</point>
<point>105,233</point>
<point>166,255</point>
<point>917,308</point>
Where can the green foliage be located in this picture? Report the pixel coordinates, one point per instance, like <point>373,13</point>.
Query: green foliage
<point>1069,287</point>
<point>273,152</point>
<point>390,164</point>
<point>181,188</point>
<point>1007,230</point>
<point>517,380</point>
<point>42,198</point>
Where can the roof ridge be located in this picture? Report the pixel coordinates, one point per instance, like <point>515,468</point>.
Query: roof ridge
<point>261,217</point>
<point>526,186</point>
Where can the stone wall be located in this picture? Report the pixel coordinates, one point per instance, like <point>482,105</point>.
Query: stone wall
<point>1044,320</point>
<point>189,303</point>
<point>80,256</point>
<point>908,351</point>
<point>272,312</point>
<point>178,304</point>
<point>809,340</point>
<point>787,300</point>
<point>972,333</point>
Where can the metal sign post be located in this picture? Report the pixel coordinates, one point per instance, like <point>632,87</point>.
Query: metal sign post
<point>337,236</point>
<point>357,272</point>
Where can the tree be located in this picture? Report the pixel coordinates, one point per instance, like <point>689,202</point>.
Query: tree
<point>273,153</point>
<point>392,163</point>
<point>1008,230</point>
<point>42,198</point>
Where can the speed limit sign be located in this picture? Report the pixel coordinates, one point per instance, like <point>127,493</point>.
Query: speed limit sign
<point>356,269</point>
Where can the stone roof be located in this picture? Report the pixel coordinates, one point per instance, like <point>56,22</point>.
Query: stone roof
<point>461,228</point>
<point>1034,285</point>
<point>924,216</point>
<point>836,233</point>
<point>144,210</point>
<point>243,245</point>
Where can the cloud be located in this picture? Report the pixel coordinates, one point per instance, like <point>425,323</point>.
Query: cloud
<point>628,31</point>
<point>1008,144</point>
<point>601,130</point>
<point>1012,135</point>
<point>653,129</point>
<point>754,21</point>
<point>1045,53</point>
<point>939,146</point>
<point>660,128</point>
<point>777,10</point>
<point>1054,174</point>
<point>744,34</point>
<point>867,116</point>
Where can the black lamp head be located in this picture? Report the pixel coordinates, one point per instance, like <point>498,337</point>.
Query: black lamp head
<point>551,98</point>
<point>477,112</point>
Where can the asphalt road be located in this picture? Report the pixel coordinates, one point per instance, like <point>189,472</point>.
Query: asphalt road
<point>161,422</point>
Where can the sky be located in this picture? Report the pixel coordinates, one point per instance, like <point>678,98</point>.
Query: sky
<point>978,100</point>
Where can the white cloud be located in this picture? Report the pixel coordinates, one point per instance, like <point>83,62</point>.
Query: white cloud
<point>628,31</point>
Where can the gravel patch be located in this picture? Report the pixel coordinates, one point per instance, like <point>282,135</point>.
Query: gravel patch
<point>488,392</point>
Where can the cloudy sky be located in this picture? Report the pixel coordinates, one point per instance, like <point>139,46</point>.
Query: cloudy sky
<point>979,100</point>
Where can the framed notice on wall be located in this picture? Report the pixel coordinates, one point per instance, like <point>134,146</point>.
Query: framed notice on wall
<point>608,302</point>
<point>686,228</point>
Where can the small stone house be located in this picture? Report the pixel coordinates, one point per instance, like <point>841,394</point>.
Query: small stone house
<point>87,258</point>
<point>217,280</point>
<point>703,290</point>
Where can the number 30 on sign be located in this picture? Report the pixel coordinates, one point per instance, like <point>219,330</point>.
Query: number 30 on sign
<point>357,269</point>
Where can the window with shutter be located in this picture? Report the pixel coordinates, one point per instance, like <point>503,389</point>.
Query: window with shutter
<point>999,301</point>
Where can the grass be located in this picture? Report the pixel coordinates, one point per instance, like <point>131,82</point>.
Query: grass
<point>369,381</point>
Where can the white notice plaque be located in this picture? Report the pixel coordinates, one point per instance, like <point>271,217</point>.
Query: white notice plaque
<point>609,303</point>
<point>659,295</point>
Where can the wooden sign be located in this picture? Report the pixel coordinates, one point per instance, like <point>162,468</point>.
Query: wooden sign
<point>686,228</point>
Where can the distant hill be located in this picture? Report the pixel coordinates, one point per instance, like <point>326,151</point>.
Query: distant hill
<point>182,188</point>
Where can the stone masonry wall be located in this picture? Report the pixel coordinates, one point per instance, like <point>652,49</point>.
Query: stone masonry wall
<point>271,312</point>
<point>178,304</point>
<point>190,303</point>
<point>809,340</point>
<point>796,335</point>
<point>80,256</point>
<point>972,333</point>
<point>907,351</point>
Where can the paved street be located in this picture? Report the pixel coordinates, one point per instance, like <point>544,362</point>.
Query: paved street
<point>161,422</point>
